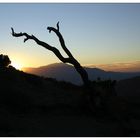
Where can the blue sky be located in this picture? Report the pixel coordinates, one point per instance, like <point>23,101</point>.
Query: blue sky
<point>95,33</point>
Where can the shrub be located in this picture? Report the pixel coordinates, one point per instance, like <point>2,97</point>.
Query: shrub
<point>4,61</point>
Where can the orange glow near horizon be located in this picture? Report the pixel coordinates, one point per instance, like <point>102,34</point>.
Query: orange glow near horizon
<point>21,63</point>
<point>133,66</point>
<point>17,65</point>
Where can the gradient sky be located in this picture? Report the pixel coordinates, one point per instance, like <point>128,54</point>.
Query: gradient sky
<point>96,34</point>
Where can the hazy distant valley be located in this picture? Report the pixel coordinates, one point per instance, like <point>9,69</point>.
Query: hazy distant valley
<point>65,72</point>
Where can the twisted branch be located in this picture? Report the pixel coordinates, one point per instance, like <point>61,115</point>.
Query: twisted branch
<point>70,58</point>
<point>43,44</point>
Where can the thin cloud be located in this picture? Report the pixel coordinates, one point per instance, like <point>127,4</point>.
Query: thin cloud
<point>133,66</point>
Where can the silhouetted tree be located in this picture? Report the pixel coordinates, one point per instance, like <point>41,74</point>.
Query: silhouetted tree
<point>88,89</point>
<point>70,59</point>
<point>4,61</point>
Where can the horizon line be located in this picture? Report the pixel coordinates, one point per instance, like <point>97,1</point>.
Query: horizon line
<point>131,66</point>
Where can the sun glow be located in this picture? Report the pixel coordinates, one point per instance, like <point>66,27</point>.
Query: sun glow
<point>17,65</point>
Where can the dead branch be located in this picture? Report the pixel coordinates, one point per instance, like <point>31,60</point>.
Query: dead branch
<point>70,58</point>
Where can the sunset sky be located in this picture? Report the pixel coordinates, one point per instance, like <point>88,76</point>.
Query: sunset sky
<point>104,35</point>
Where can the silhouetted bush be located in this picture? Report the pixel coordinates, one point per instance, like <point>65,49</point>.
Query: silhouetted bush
<point>4,61</point>
<point>11,67</point>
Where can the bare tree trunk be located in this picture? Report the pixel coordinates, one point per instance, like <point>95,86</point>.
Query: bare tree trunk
<point>70,59</point>
<point>88,90</point>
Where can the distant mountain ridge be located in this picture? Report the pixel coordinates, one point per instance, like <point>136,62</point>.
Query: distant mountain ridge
<point>65,72</point>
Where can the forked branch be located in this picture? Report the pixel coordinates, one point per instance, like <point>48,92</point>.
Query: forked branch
<point>62,42</point>
<point>43,44</point>
<point>70,58</point>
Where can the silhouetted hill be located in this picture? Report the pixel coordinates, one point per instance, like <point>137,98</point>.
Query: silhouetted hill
<point>34,106</point>
<point>129,87</point>
<point>64,72</point>
<point>14,81</point>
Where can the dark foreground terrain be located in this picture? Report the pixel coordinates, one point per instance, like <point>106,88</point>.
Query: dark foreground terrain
<point>36,106</point>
